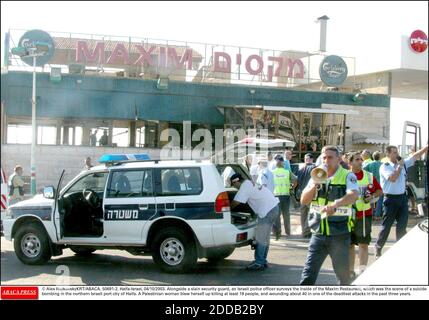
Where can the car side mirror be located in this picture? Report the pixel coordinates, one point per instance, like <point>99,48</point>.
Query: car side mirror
<point>49,192</point>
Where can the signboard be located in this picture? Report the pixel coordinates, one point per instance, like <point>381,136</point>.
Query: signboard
<point>333,71</point>
<point>145,58</point>
<point>418,41</point>
<point>33,39</point>
<point>55,74</point>
<point>174,58</point>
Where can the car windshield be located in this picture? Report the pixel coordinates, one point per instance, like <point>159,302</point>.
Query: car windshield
<point>94,181</point>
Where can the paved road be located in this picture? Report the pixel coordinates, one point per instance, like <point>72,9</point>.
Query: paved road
<point>114,267</point>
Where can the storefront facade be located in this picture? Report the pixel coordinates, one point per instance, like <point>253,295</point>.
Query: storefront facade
<point>134,112</point>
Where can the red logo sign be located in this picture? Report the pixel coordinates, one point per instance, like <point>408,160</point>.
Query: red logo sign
<point>19,293</point>
<point>419,41</point>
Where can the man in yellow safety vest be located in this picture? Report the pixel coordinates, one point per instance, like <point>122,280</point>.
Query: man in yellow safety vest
<point>282,184</point>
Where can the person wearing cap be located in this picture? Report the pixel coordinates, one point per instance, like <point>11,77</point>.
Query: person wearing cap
<point>282,183</point>
<point>265,205</point>
<point>304,175</point>
<point>265,176</point>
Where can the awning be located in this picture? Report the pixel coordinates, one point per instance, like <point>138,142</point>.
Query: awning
<point>370,138</point>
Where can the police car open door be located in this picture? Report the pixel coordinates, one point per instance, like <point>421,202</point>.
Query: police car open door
<point>129,203</point>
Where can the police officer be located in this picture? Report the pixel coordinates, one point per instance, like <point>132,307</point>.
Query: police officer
<point>330,218</point>
<point>395,204</point>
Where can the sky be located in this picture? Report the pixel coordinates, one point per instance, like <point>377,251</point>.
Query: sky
<point>368,31</point>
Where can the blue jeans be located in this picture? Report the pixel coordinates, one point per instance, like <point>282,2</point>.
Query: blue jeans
<point>395,208</point>
<point>337,247</point>
<point>378,211</point>
<point>284,206</point>
<point>262,235</point>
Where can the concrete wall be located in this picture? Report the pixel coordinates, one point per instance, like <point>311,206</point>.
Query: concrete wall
<point>368,120</point>
<point>51,160</point>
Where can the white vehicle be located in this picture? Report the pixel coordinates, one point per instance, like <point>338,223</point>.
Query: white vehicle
<point>176,211</point>
<point>4,198</point>
<point>406,263</point>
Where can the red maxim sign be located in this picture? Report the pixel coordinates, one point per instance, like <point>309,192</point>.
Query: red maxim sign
<point>19,293</point>
<point>167,57</point>
<point>419,41</point>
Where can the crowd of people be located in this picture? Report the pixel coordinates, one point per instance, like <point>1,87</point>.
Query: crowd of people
<point>336,214</point>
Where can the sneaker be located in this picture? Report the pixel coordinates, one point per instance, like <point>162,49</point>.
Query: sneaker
<point>255,267</point>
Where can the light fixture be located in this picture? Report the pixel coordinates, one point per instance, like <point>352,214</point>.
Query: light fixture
<point>252,91</point>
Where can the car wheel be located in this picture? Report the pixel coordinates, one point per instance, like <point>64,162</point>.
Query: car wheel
<point>82,251</point>
<point>174,250</point>
<point>217,254</point>
<point>32,245</point>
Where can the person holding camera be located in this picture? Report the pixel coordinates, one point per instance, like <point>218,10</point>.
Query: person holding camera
<point>16,185</point>
<point>393,179</point>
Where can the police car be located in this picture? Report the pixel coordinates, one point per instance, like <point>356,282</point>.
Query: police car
<point>176,211</point>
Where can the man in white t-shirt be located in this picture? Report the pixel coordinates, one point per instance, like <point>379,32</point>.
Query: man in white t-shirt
<point>265,205</point>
